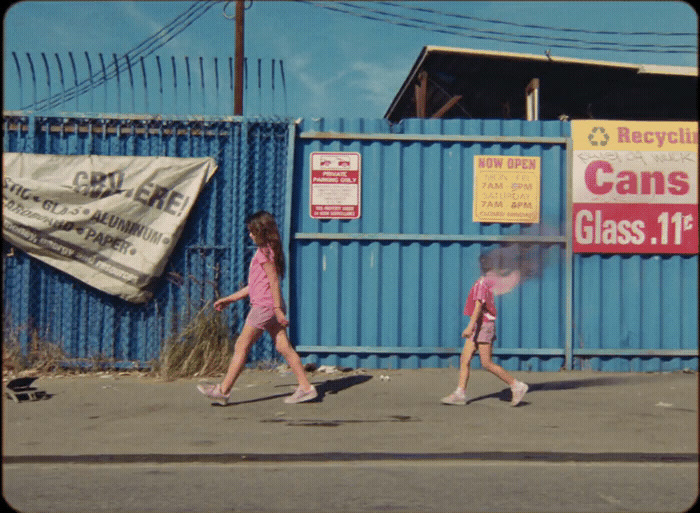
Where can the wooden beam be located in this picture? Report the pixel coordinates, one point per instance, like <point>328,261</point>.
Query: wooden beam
<point>532,100</point>
<point>448,105</point>
<point>421,94</point>
<point>239,56</point>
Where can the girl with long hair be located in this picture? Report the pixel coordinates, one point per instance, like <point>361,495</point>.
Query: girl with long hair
<point>267,312</point>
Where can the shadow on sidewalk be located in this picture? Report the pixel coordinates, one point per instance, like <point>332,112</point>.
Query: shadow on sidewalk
<point>567,384</point>
<point>249,401</point>
<point>331,386</point>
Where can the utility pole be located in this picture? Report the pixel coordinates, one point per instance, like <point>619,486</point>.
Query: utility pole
<point>238,72</point>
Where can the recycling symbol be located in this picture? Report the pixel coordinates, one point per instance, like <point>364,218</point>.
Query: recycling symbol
<point>598,136</point>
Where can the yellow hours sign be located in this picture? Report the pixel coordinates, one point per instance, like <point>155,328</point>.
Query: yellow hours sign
<point>506,189</point>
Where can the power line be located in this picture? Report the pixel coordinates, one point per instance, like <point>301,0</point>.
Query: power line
<point>552,42</point>
<point>554,38</point>
<point>541,27</point>
<point>143,49</point>
<point>497,33</point>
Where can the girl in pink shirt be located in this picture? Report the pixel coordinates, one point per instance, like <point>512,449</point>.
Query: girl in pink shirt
<point>267,312</point>
<point>480,333</point>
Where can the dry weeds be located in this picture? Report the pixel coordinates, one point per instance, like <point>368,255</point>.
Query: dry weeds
<point>202,348</point>
<point>42,357</point>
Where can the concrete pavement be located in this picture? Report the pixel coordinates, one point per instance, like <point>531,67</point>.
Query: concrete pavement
<point>564,412</point>
<point>362,418</point>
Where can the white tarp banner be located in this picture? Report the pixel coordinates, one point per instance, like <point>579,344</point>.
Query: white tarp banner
<point>110,221</point>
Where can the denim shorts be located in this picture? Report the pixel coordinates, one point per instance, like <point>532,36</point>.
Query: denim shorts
<point>485,332</point>
<point>262,318</point>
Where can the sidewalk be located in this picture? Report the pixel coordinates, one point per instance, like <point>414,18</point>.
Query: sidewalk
<point>357,412</point>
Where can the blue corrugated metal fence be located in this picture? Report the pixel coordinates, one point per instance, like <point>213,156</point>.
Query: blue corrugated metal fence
<point>210,258</point>
<point>636,312</point>
<point>382,291</point>
<point>388,289</point>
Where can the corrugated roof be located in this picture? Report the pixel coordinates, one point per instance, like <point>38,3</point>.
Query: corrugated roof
<point>685,71</point>
<point>479,76</point>
<point>644,68</point>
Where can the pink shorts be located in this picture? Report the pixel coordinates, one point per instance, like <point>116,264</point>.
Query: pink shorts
<point>484,332</point>
<point>262,318</point>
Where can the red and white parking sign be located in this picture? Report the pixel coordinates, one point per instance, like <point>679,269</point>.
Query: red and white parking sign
<point>335,185</point>
<point>635,187</point>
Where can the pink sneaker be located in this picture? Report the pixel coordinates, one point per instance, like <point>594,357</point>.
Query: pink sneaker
<point>214,392</point>
<point>299,396</point>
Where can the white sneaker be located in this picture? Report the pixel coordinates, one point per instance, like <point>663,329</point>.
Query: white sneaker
<point>518,389</point>
<point>299,396</point>
<point>214,392</point>
<point>457,398</point>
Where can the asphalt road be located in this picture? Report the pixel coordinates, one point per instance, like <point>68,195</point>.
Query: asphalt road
<point>430,486</point>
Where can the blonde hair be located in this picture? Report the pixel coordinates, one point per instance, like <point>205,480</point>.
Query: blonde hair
<point>263,226</point>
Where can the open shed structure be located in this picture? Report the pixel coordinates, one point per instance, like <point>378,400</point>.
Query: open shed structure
<point>478,84</point>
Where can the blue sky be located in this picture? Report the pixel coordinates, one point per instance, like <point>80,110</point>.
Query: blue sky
<point>336,64</point>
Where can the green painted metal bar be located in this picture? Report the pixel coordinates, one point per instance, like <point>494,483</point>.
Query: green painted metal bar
<point>287,235</point>
<point>420,237</point>
<point>184,118</point>
<point>569,258</point>
<point>519,351</point>
<point>502,139</point>
<point>425,350</point>
<point>635,352</point>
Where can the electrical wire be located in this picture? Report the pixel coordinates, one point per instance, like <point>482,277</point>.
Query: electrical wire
<point>549,41</point>
<point>509,34</point>
<point>541,27</point>
<point>195,11</point>
<point>145,48</point>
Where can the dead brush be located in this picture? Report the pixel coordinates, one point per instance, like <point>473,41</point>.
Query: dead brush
<point>13,361</point>
<point>202,348</point>
<point>45,356</point>
<point>42,357</point>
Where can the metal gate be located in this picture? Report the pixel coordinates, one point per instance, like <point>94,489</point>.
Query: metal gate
<point>387,290</point>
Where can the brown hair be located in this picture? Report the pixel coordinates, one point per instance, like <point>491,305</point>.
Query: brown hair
<point>263,226</point>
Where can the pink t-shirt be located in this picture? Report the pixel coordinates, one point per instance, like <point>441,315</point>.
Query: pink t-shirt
<point>259,291</point>
<point>482,290</point>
